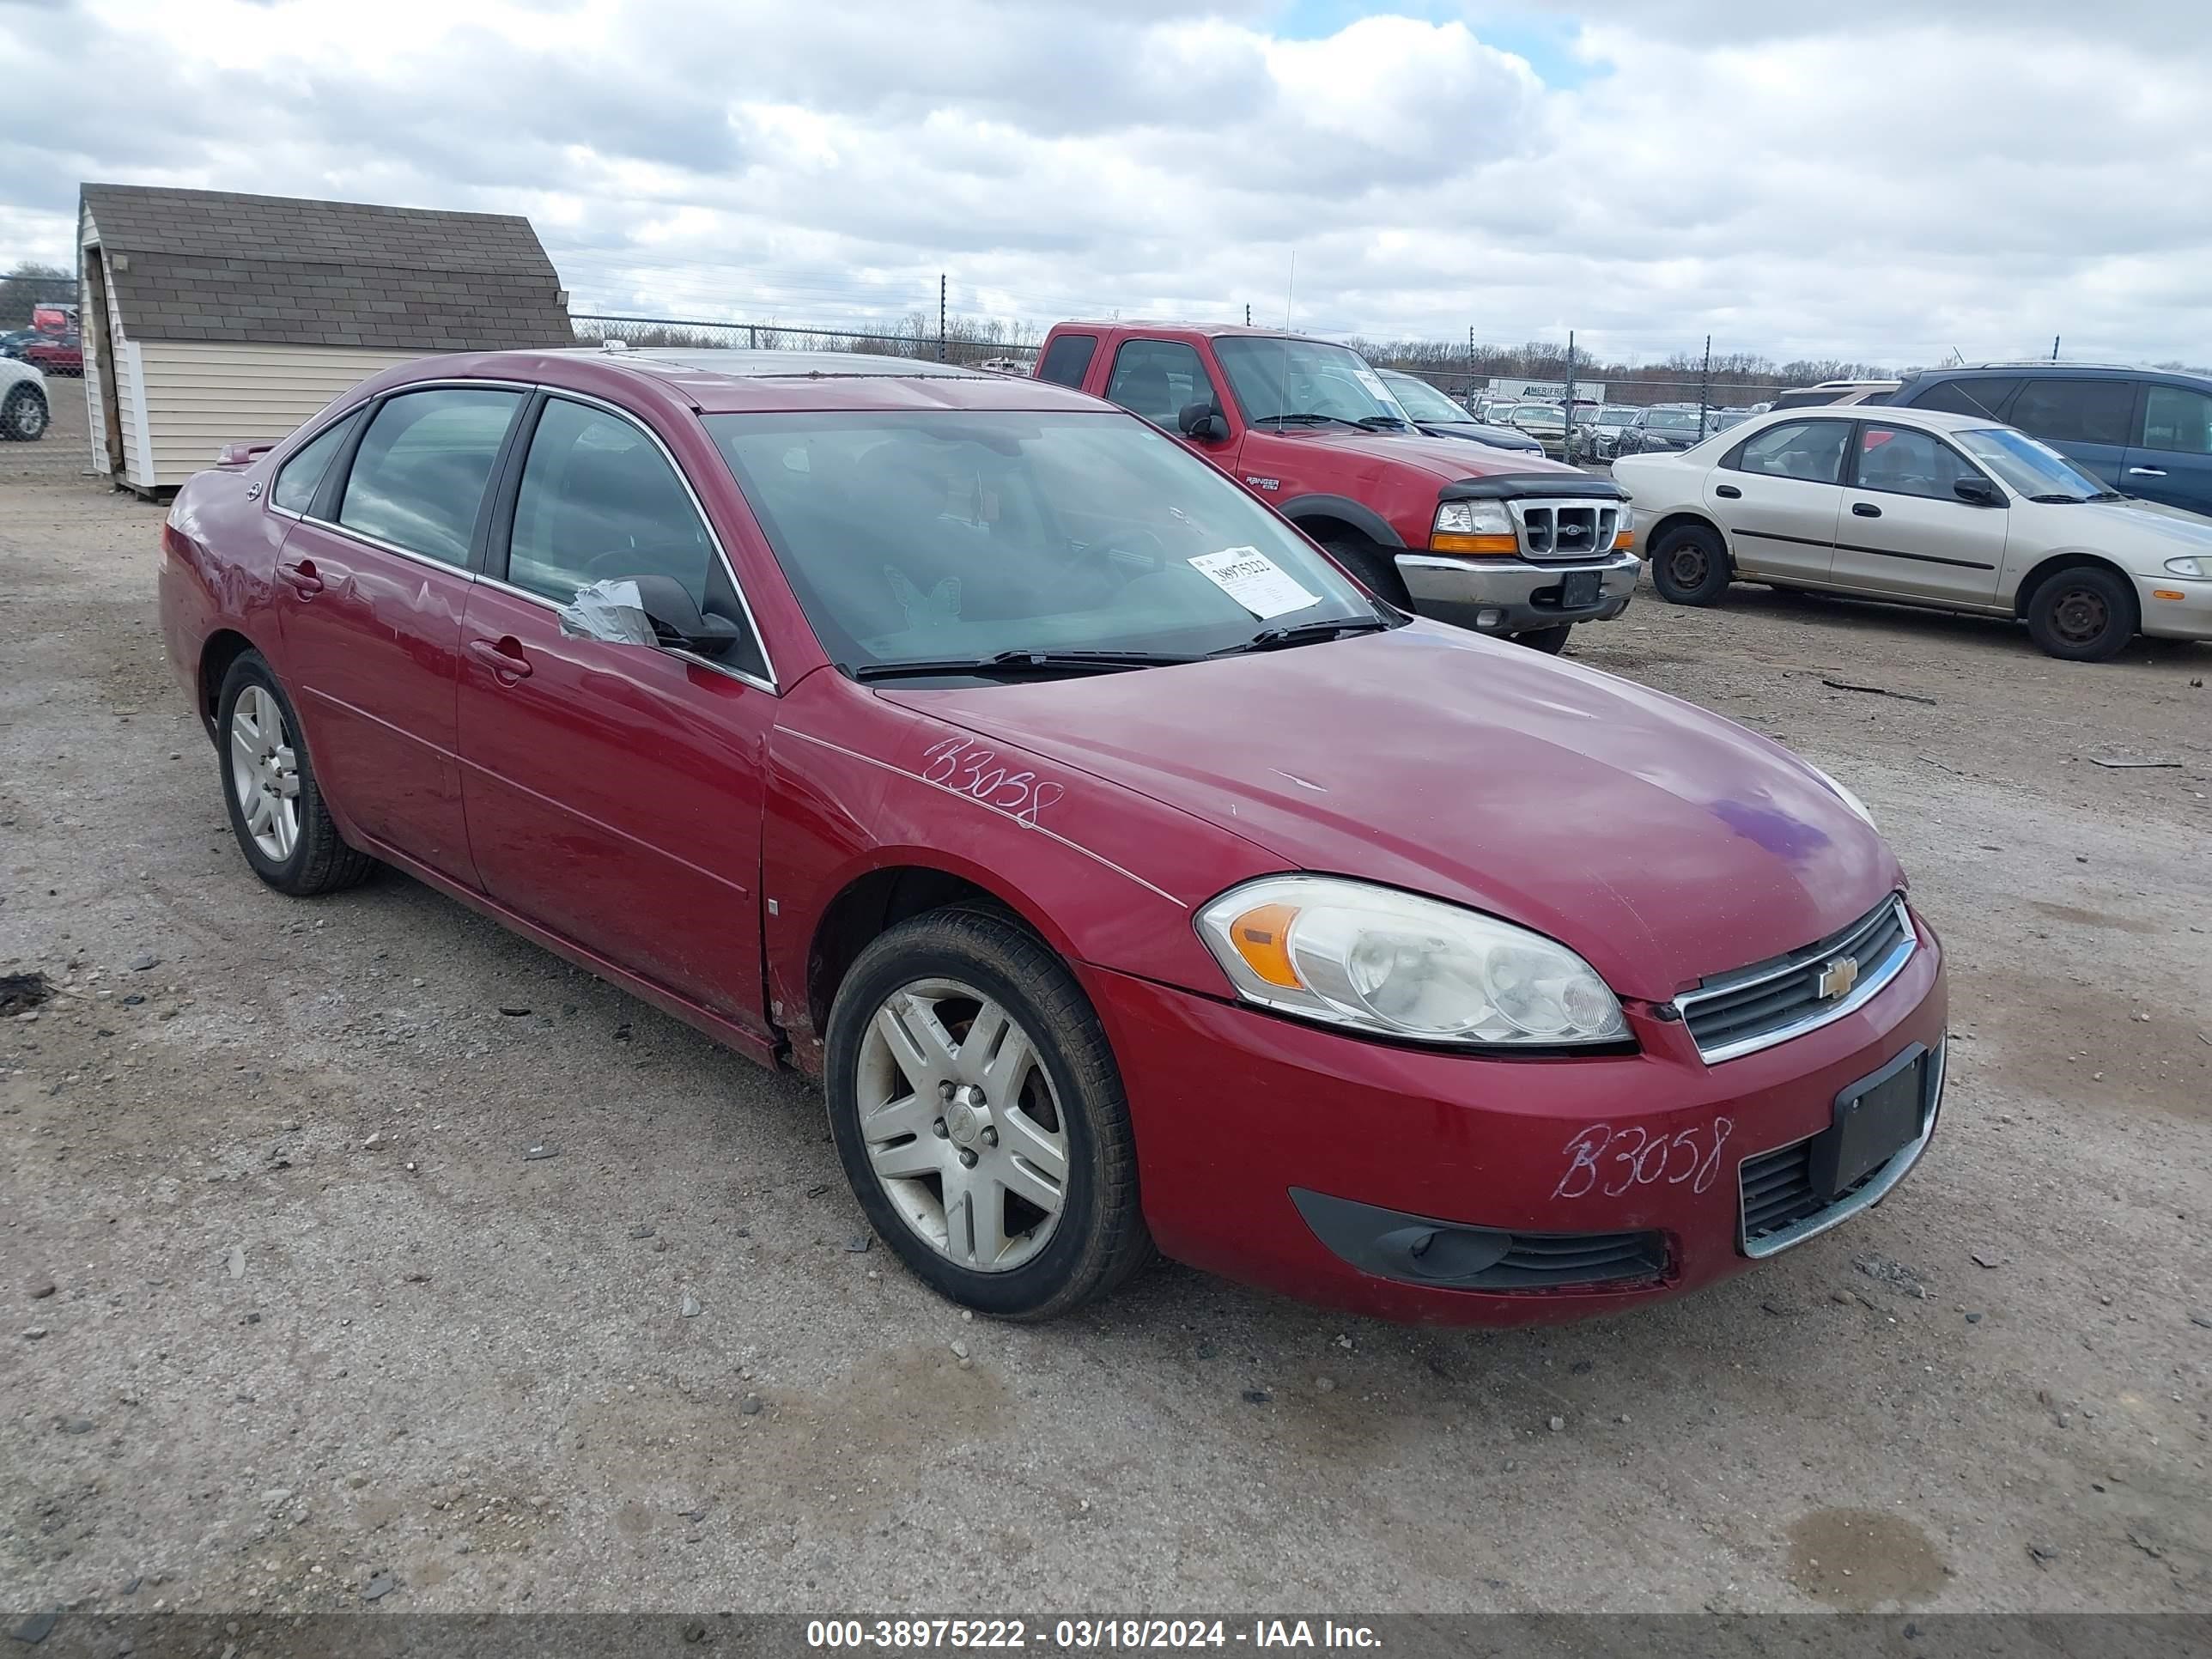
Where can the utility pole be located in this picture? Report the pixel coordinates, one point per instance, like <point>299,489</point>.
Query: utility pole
<point>940,316</point>
<point>1248,313</point>
<point>1706,388</point>
<point>2054,348</point>
<point>1568,448</point>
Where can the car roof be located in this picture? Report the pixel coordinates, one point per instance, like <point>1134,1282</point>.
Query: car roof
<point>1929,420</point>
<point>2043,369</point>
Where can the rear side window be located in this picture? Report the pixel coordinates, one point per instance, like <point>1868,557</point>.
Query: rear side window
<point>2075,411</point>
<point>1156,378</point>
<point>1809,450</point>
<point>1983,399</point>
<point>2178,420</point>
<point>1067,359</point>
<point>418,478</point>
<point>299,477</point>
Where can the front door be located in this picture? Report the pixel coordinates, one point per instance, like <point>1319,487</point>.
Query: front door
<point>614,791</point>
<point>2170,459</point>
<point>1778,494</point>
<point>1905,531</point>
<point>373,579</point>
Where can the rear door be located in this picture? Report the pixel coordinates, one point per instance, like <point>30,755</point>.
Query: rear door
<point>1903,529</point>
<point>2170,459</point>
<point>615,791</point>
<point>1778,493</point>
<point>2089,419</point>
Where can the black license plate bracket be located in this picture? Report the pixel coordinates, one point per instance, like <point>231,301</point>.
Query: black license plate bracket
<point>1580,589</point>
<point>1877,1118</point>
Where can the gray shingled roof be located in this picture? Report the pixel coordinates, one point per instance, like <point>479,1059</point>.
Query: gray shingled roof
<point>207,264</point>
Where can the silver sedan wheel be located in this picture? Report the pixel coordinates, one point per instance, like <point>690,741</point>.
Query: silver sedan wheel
<point>962,1124</point>
<point>264,772</point>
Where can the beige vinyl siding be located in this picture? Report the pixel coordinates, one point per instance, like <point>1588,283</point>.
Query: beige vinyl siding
<point>201,396</point>
<point>137,447</point>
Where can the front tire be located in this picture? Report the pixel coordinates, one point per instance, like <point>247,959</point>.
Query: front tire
<point>1551,641</point>
<point>1690,565</point>
<point>23,415</point>
<point>276,808</point>
<point>980,1117</point>
<point>2083,613</point>
<point>1377,570</point>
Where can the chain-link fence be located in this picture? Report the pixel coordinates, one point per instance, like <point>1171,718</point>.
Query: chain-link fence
<point>23,297</point>
<point>970,342</point>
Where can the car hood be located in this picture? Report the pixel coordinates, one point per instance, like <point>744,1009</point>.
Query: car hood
<point>1663,842</point>
<point>1448,459</point>
<point>2175,529</point>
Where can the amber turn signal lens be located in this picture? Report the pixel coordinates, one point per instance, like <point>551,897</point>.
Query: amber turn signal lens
<point>1443,542</point>
<point>1262,937</point>
<point>1624,541</point>
<point>2166,593</point>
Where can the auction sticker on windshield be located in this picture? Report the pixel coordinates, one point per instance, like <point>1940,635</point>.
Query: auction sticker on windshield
<point>1254,580</point>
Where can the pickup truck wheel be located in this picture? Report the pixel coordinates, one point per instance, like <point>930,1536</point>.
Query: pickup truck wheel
<point>23,415</point>
<point>1374,567</point>
<point>1552,641</point>
<point>277,809</point>
<point>1689,566</point>
<point>2083,613</point>
<point>980,1116</point>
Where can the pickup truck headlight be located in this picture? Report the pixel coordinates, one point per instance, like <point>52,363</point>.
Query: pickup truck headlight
<point>1388,963</point>
<point>1472,527</point>
<point>2194,565</point>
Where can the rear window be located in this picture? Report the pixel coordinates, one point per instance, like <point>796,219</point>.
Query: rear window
<point>1067,359</point>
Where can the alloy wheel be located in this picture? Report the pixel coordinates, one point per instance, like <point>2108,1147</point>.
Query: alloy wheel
<point>264,772</point>
<point>962,1124</point>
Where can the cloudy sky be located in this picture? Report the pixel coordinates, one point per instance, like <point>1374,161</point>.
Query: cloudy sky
<point>1886,181</point>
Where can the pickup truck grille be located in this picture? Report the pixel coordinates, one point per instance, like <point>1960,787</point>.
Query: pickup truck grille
<point>1567,528</point>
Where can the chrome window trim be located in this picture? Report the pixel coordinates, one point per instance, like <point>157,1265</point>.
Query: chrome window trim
<point>706,520</point>
<point>1878,1187</point>
<point>1872,981</point>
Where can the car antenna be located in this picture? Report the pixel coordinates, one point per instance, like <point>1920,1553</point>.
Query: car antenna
<point>1283,379</point>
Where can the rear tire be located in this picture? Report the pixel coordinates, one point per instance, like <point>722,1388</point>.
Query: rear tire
<point>1377,570</point>
<point>23,415</point>
<point>2083,613</point>
<point>1551,641</point>
<point>276,807</point>
<point>1690,566</point>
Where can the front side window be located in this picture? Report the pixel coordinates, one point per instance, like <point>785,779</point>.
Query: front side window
<point>956,535</point>
<point>1904,461</point>
<point>2075,411</point>
<point>418,478</point>
<point>1809,450</point>
<point>2178,420</point>
<point>1305,383</point>
<point>298,479</point>
<point>1067,359</point>
<point>600,501</point>
<point>1157,378</point>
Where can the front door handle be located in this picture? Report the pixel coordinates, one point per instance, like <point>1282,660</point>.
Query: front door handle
<point>2146,473</point>
<point>1728,491</point>
<point>1865,510</point>
<point>300,574</point>
<point>503,657</point>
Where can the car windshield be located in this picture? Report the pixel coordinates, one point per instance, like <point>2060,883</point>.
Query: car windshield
<point>956,536</point>
<point>2029,467</point>
<point>1672,420</point>
<point>1291,380</point>
<point>1539,415</point>
<point>1422,401</point>
<point>1612,415</point>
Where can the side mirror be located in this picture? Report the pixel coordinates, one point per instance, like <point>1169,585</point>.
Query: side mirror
<point>679,622</point>
<point>1979,491</point>
<point>1202,423</point>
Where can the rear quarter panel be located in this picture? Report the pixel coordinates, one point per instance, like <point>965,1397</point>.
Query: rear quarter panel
<point>220,546</point>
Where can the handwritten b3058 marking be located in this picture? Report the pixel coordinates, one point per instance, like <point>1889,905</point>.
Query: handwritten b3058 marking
<point>1607,1161</point>
<point>961,763</point>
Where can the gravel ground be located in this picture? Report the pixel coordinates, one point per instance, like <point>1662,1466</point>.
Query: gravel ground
<point>293,1319</point>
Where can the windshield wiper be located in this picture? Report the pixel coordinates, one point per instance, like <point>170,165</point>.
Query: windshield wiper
<point>1274,639</point>
<point>1376,422</point>
<point>2060,498</point>
<point>1304,418</point>
<point>2108,495</point>
<point>1023,662</point>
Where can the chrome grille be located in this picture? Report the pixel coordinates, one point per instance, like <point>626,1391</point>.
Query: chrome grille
<point>1566,528</point>
<point>1771,1002</point>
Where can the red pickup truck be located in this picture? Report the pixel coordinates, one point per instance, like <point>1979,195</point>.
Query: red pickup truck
<point>1498,541</point>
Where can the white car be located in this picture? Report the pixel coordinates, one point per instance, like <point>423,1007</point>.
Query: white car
<point>1921,506</point>
<point>23,410</point>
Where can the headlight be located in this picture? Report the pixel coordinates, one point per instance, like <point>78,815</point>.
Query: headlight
<point>2191,567</point>
<point>1472,519</point>
<point>1847,798</point>
<point>1393,964</point>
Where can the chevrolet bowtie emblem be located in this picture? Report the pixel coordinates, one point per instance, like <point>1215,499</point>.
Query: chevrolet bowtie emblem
<point>1837,978</point>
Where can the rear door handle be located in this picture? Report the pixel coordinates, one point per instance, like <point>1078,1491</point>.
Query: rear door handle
<point>2146,473</point>
<point>1728,491</point>
<point>1865,510</point>
<point>503,657</point>
<point>301,574</point>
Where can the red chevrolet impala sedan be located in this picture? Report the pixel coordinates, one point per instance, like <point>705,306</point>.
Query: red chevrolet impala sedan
<point>1129,877</point>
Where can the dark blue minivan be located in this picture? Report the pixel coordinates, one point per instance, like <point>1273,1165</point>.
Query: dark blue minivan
<point>2145,432</point>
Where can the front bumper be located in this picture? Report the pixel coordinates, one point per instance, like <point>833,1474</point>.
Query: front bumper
<point>1297,1158</point>
<point>1510,595</point>
<point>2189,617</point>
